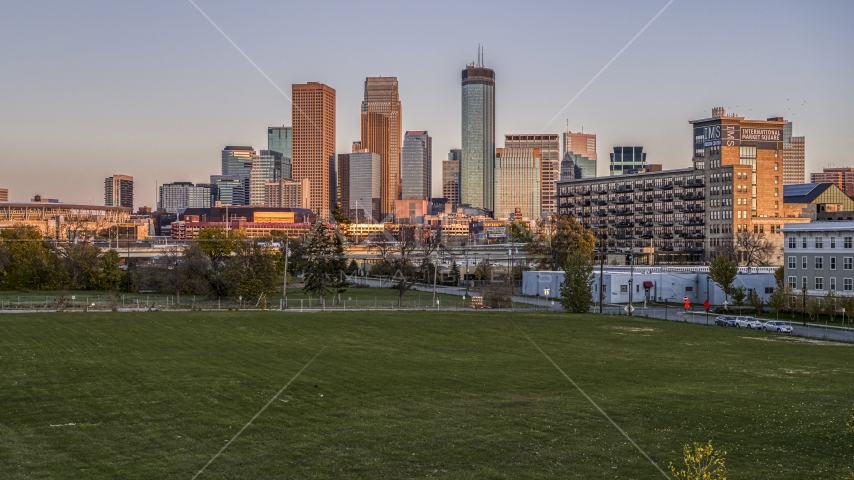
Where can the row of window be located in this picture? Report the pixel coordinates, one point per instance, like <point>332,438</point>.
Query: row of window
<point>818,242</point>
<point>818,283</point>
<point>847,263</point>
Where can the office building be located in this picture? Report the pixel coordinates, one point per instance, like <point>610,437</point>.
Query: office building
<point>568,169</point>
<point>451,181</point>
<point>549,147</point>
<point>381,134</point>
<point>286,193</point>
<point>118,191</point>
<point>266,167</point>
<point>455,154</point>
<point>794,156</point>
<point>232,189</point>
<point>176,196</point>
<point>344,182</point>
<point>581,150</point>
<point>4,194</point>
<point>687,215</point>
<point>478,136</point>
<point>517,182</point>
<point>281,139</point>
<point>817,201</point>
<point>416,164</point>
<point>365,187</point>
<point>842,177</point>
<point>237,160</point>
<point>627,160</point>
<point>313,119</point>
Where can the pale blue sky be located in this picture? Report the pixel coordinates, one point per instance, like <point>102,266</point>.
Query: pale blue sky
<point>151,89</point>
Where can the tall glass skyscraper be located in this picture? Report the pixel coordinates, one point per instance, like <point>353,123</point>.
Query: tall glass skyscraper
<point>416,164</point>
<point>266,167</point>
<point>231,188</point>
<point>238,161</point>
<point>478,136</point>
<point>281,139</point>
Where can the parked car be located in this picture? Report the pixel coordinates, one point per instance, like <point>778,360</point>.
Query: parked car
<point>724,320</point>
<point>748,322</point>
<point>777,326</point>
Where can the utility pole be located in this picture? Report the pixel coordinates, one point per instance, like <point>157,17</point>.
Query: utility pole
<point>435,271</point>
<point>601,269</point>
<point>631,275</point>
<point>285,284</point>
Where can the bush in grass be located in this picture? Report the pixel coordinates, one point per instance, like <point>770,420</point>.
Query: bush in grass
<point>701,463</point>
<point>576,292</point>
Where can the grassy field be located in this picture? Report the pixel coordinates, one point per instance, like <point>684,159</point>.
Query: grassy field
<point>413,394</point>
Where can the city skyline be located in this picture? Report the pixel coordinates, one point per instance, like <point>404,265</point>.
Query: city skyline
<point>165,128</point>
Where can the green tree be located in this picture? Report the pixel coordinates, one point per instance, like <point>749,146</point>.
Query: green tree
<point>576,290</point>
<point>519,231</point>
<point>739,296</point>
<point>251,272</point>
<point>338,266</point>
<point>453,277</point>
<point>830,304</point>
<point>701,463</point>
<point>723,271</point>
<point>32,264</point>
<point>319,267</point>
<point>182,271</point>
<point>341,218</point>
<point>814,308</point>
<point>110,275</point>
<point>779,299</point>
<point>353,267</point>
<point>780,277</point>
<point>556,238</point>
<point>81,263</point>
<point>756,302</point>
<point>218,244</point>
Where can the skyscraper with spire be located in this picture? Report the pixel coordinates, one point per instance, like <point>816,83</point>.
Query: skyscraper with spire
<point>478,135</point>
<point>381,134</point>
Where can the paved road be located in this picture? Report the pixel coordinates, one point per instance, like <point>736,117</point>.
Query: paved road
<point>662,313</point>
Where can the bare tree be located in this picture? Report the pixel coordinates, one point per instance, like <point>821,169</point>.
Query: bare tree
<point>750,249</point>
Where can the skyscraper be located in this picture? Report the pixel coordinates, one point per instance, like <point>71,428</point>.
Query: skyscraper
<point>549,147</point>
<point>237,160</point>
<point>266,167</point>
<point>581,147</point>
<point>416,164</point>
<point>794,156</point>
<point>478,136</point>
<point>118,191</point>
<point>4,194</point>
<point>281,139</point>
<point>344,182</point>
<point>517,182</point>
<point>627,160</point>
<point>231,189</point>
<point>842,177</point>
<point>179,195</point>
<point>365,187</point>
<point>286,193</point>
<point>451,179</point>
<point>381,132</point>
<point>313,119</point>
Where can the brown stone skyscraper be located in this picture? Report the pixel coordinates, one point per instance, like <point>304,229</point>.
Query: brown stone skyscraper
<point>313,117</point>
<point>381,134</point>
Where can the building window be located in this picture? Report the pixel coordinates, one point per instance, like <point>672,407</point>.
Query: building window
<point>846,242</point>
<point>819,242</point>
<point>804,283</point>
<point>804,263</point>
<point>848,284</point>
<point>793,282</point>
<point>833,263</point>
<point>847,263</point>
<point>819,283</point>
<point>793,262</point>
<point>624,289</point>
<point>776,180</point>
<point>819,263</point>
<point>832,242</point>
<point>804,242</point>
<point>833,283</point>
<point>792,242</point>
<point>769,290</point>
<point>776,166</point>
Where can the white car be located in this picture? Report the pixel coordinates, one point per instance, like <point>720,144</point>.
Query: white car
<point>748,322</point>
<point>775,326</point>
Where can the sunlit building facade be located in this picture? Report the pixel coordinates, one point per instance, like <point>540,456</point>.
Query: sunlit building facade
<point>478,137</point>
<point>381,117</point>
<point>416,164</point>
<point>313,120</point>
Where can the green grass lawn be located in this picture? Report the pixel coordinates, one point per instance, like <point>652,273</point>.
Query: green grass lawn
<point>411,394</point>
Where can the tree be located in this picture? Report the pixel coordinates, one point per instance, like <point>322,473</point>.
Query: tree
<point>318,272</point>
<point>453,277</point>
<point>756,302</point>
<point>813,308</point>
<point>338,266</point>
<point>779,299</point>
<point>576,292</point>
<point>829,305</point>
<point>780,277</point>
<point>353,267</point>
<point>723,271</point>
<point>251,272</point>
<point>739,295</point>
<point>80,261</point>
<point>483,270</point>
<point>519,231</point>
<point>218,244</point>
<point>31,262</point>
<point>183,271</point>
<point>750,249</point>
<point>109,276</point>
<point>341,218</point>
<point>701,463</point>
<point>558,236</point>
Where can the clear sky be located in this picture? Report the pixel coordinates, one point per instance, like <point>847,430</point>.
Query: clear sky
<point>151,89</point>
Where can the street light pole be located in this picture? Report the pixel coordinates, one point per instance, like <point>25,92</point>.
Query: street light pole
<point>631,278</point>
<point>285,281</point>
<point>601,268</point>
